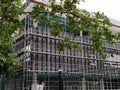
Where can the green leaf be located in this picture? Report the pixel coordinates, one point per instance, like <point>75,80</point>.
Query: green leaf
<point>104,55</point>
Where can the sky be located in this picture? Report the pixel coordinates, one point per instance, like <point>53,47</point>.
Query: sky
<point>111,8</point>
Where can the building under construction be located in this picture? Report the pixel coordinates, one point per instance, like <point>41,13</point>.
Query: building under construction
<point>44,67</point>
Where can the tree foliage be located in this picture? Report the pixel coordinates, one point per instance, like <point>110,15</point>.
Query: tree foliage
<point>96,24</point>
<point>10,11</point>
<point>77,20</point>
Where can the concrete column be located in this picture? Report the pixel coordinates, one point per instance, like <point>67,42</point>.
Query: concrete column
<point>102,84</point>
<point>34,81</point>
<point>83,84</point>
<point>34,74</point>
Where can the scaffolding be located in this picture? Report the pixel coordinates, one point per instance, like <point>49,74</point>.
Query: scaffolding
<point>44,67</point>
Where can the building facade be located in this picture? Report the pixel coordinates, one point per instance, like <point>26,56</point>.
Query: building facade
<point>44,67</point>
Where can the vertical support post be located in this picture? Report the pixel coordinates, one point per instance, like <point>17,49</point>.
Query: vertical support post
<point>25,29</point>
<point>83,84</point>
<point>34,74</point>
<point>60,78</point>
<point>2,82</point>
<point>101,84</point>
<point>83,64</point>
<point>34,81</point>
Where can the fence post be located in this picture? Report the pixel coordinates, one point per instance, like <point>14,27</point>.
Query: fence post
<point>2,82</point>
<point>60,79</point>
